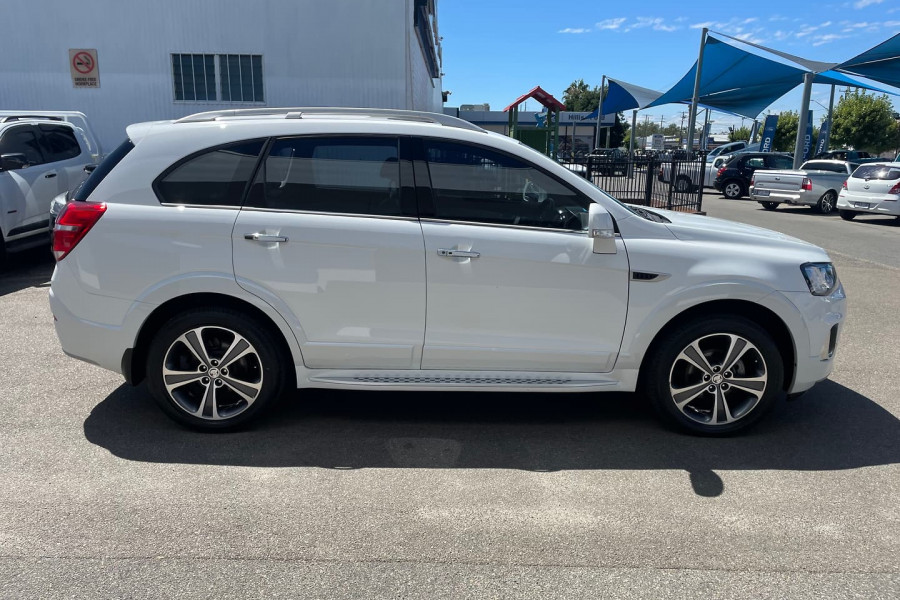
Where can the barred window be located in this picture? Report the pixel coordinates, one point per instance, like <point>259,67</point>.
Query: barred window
<point>218,78</point>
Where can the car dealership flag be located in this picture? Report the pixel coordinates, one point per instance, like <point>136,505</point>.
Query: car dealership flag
<point>807,137</point>
<point>768,135</point>
<point>824,134</point>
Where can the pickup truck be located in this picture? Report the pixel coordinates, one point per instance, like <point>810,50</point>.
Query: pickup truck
<point>815,184</point>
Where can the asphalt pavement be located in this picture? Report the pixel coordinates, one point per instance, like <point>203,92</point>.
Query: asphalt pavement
<point>369,495</point>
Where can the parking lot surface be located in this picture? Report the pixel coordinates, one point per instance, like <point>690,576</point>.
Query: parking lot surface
<point>363,495</point>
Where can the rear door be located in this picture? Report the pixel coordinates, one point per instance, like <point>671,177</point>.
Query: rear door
<point>329,236</point>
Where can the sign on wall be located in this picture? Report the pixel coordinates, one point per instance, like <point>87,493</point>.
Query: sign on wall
<point>84,68</point>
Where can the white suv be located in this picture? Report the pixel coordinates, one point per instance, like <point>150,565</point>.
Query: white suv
<point>227,256</point>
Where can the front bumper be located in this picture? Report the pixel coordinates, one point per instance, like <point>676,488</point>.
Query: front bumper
<point>824,318</point>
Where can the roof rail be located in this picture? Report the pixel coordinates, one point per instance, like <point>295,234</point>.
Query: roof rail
<point>297,113</point>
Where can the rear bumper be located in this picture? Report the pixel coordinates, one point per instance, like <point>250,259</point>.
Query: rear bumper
<point>783,196</point>
<point>874,205</point>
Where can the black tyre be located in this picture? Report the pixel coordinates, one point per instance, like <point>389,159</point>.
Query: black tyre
<point>715,376</point>
<point>827,202</point>
<point>769,205</point>
<point>847,215</point>
<point>733,189</point>
<point>215,369</point>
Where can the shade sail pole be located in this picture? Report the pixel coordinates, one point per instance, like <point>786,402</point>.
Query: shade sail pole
<point>599,113</point>
<point>801,121</point>
<point>696,97</point>
<point>830,123</point>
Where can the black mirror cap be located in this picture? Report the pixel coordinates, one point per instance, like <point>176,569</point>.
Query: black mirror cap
<point>12,162</point>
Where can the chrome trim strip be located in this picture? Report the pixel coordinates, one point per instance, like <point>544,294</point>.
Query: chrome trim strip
<point>328,214</point>
<point>503,226</point>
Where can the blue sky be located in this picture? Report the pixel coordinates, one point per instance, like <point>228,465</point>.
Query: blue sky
<point>494,51</point>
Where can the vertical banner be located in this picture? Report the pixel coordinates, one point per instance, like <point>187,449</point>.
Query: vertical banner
<point>768,136</point>
<point>753,131</point>
<point>705,137</point>
<point>824,135</point>
<point>807,137</point>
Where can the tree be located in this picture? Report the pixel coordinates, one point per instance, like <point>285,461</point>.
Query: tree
<point>579,97</point>
<point>786,132</point>
<point>864,122</point>
<point>738,135</point>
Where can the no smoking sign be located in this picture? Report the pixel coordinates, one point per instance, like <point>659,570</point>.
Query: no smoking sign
<point>83,67</point>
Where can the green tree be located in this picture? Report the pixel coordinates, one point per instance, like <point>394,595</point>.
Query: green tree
<point>786,132</point>
<point>864,122</point>
<point>580,97</point>
<point>738,135</point>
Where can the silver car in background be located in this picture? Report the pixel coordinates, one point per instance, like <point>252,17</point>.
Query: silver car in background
<point>817,184</point>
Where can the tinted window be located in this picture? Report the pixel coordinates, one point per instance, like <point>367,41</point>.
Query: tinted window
<point>780,162</point>
<point>22,140</point>
<point>99,174</point>
<point>815,165</point>
<point>756,163</point>
<point>880,172</point>
<point>216,177</point>
<point>59,143</point>
<point>476,184</point>
<point>354,175</point>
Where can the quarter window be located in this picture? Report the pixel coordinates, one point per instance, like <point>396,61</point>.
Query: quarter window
<point>218,78</point>
<point>475,184</point>
<point>354,175</point>
<point>217,177</point>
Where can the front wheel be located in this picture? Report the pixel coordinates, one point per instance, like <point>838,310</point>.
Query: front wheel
<point>769,205</point>
<point>847,215</point>
<point>733,190</point>
<point>826,203</point>
<point>214,369</point>
<point>716,376</point>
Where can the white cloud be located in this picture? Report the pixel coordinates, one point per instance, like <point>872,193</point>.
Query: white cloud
<point>657,23</point>
<point>828,38</point>
<point>611,23</point>
<point>749,37</point>
<point>865,3</point>
<point>573,30</point>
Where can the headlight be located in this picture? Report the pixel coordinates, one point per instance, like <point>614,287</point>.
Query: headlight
<point>820,277</point>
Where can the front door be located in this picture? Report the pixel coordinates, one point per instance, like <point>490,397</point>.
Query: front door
<point>513,284</point>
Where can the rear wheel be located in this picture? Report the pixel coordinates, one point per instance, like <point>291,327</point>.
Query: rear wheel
<point>847,215</point>
<point>826,202</point>
<point>733,189</point>
<point>769,205</point>
<point>716,376</point>
<point>214,369</point>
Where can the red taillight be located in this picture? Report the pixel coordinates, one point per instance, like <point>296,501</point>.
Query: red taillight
<point>720,171</point>
<point>844,185</point>
<point>807,184</point>
<point>73,223</point>
<point>895,189</point>
<point>753,181</point>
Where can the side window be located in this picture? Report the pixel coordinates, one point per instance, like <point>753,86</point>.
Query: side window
<point>476,184</point>
<point>22,140</point>
<point>756,163</point>
<point>781,162</point>
<point>351,175</point>
<point>216,177</point>
<point>59,143</point>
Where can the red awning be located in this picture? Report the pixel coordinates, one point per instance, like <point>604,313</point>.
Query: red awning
<point>541,96</point>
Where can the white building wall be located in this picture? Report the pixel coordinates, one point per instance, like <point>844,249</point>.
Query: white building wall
<point>315,53</point>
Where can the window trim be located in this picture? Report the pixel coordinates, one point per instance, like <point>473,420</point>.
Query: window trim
<point>217,78</point>
<point>266,142</point>
<point>428,184</point>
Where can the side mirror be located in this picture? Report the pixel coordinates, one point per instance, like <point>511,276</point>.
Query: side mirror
<point>601,229</point>
<point>89,168</point>
<point>13,162</point>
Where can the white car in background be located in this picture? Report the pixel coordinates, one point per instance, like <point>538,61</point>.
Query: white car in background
<point>873,188</point>
<point>228,256</point>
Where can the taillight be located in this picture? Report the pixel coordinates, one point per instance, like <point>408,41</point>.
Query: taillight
<point>807,184</point>
<point>720,171</point>
<point>753,181</point>
<point>73,223</point>
<point>895,189</point>
<point>844,185</point>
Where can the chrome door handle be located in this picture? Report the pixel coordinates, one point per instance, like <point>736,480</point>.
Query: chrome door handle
<point>264,237</point>
<point>458,253</point>
<point>49,175</point>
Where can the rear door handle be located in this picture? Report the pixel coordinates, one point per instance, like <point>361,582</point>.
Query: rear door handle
<point>49,175</point>
<point>265,238</point>
<point>458,253</point>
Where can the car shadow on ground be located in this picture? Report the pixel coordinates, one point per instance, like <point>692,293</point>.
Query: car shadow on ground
<point>831,428</point>
<point>23,270</point>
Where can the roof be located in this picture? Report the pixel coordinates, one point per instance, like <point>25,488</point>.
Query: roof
<point>881,63</point>
<point>539,94</point>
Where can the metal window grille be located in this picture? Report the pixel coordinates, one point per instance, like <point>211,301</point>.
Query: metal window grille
<point>241,78</point>
<point>218,77</point>
<point>194,76</point>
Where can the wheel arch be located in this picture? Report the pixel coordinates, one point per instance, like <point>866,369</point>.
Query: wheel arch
<point>134,360</point>
<point>764,317</point>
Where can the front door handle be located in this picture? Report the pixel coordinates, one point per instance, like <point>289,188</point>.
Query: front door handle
<point>265,238</point>
<point>458,253</point>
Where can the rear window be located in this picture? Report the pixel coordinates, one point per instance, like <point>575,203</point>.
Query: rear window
<point>59,142</point>
<point>100,173</point>
<point>814,165</point>
<point>880,172</point>
<point>215,177</point>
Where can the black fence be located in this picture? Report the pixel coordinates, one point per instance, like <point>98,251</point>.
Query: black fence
<point>673,182</point>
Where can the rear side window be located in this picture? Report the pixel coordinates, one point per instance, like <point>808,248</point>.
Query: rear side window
<point>781,162</point>
<point>351,175</point>
<point>100,173</point>
<point>214,177</point>
<point>22,140</point>
<point>59,143</point>
<point>880,172</point>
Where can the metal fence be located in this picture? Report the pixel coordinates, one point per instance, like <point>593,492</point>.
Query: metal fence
<point>670,182</point>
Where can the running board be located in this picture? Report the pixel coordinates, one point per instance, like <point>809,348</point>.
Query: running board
<point>468,381</point>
